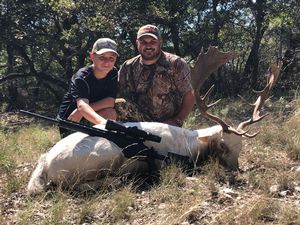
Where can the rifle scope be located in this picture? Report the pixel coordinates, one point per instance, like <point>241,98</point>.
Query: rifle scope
<point>131,131</point>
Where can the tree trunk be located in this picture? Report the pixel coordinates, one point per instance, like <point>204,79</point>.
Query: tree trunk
<point>174,27</point>
<point>251,67</point>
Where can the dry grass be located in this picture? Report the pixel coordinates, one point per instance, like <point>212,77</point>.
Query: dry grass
<point>265,191</point>
<point>259,210</point>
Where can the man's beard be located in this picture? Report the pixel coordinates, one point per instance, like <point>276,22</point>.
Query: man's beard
<point>154,55</point>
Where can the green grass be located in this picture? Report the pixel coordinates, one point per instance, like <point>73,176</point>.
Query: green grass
<point>121,203</point>
<point>26,144</point>
<point>56,211</point>
<point>20,147</point>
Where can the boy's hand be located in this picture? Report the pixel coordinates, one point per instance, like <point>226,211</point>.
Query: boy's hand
<point>75,116</point>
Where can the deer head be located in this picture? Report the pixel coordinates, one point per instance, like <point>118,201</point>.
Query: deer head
<point>228,143</point>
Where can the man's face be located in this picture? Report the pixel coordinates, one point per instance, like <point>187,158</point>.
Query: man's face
<point>149,47</point>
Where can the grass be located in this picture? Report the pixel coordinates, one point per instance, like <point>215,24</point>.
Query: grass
<point>174,196</point>
<point>56,211</point>
<point>87,211</point>
<point>20,147</point>
<point>265,191</point>
<point>121,204</point>
<point>259,211</point>
<point>26,144</point>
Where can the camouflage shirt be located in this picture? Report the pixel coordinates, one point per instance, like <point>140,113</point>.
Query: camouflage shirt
<point>157,89</point>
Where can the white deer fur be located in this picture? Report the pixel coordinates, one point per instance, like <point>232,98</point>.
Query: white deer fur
<point>78,157</point>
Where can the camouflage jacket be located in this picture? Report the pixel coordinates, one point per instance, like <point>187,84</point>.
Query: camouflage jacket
<point>157,89</point>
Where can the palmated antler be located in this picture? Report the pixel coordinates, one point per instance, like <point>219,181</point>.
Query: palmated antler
<point>272,74</point>
<point>206,64</point>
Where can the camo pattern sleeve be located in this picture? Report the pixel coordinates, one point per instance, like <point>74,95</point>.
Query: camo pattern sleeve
<point>182,74</point>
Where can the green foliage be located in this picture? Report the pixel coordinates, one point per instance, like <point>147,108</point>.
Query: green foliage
<point>62,6</point>
<point>44,43</point>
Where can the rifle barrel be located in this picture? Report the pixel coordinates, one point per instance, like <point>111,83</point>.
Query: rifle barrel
<point>68,124</point>
<point>40,116</point>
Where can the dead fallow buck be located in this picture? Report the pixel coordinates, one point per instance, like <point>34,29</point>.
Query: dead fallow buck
<point>80,158</point>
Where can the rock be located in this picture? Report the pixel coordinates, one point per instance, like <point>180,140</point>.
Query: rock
<point>296,169</point>
<point>274,189</point>
<point>230,192</point>
<point>297,188</point>
<point>283,193</point>
<point>162,206</point>
<point>130,208</point>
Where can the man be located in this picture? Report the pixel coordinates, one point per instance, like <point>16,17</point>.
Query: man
<point>155,84</point>
<point>92,90</point>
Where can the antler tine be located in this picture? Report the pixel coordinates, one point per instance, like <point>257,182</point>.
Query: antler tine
<point>207,94</point>
<point>203,109</point>
<point>274,72</point>
<point>273,75</point>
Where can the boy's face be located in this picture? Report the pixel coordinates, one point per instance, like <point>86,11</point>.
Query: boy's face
<point>104,62</point>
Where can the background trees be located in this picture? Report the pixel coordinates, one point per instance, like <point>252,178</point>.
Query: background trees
<point>43,42</point>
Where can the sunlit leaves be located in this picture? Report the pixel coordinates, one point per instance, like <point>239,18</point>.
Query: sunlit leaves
<point>62,6</point>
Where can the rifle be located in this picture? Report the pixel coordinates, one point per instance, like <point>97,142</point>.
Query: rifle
<point>130,139</point>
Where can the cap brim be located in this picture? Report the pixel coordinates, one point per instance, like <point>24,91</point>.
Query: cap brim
<point>103,50</point>
<point>148,34</point>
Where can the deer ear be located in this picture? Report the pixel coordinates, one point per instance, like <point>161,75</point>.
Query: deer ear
<point>204,138</point>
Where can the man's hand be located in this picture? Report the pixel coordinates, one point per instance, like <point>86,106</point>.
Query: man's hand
<point>75,116</point>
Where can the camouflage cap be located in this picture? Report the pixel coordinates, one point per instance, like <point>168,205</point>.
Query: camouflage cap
<point>149,30</point>
<point>103,45</point>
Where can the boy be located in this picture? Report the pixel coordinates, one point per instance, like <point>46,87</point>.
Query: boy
<point>92,90</point>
